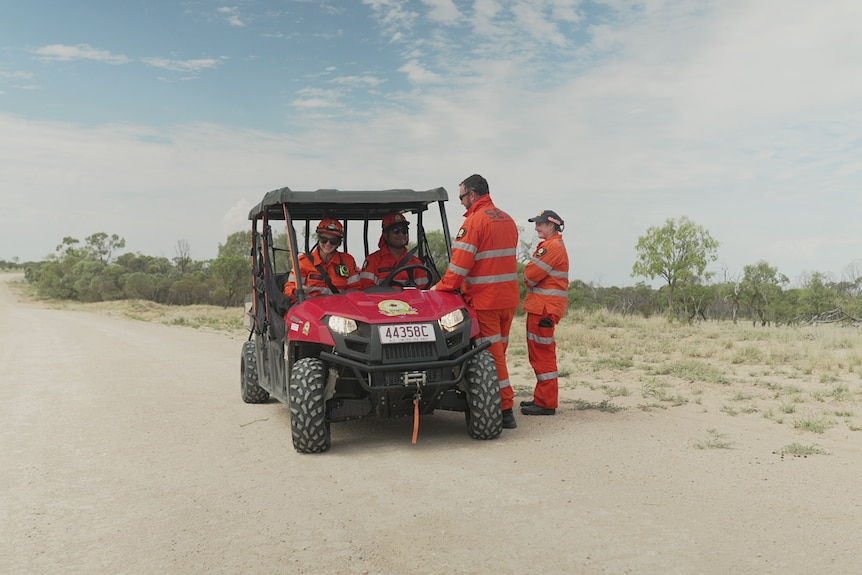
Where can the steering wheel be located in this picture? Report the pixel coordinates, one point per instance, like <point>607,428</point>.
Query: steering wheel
<point>390,280</point>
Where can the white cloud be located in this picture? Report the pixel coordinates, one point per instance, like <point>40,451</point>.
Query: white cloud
<point>66,53</point>
<point>231,16</point>
<point>417,74</point>
<point>443,11</point>
<point>358,81</point>
<point>186,66</point>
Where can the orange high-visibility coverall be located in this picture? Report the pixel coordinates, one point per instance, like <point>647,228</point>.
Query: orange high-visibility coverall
<point>547,279</point>
<point>341,268</point>
<point>485,267</point>
<point>379,264</point>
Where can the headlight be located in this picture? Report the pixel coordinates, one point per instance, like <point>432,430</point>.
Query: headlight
<point>452,320</point>
<point>341,325</point>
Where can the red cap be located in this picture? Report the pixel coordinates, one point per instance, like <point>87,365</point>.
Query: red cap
<point>330,226</point>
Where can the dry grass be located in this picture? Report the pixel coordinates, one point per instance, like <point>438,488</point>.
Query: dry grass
<point>195,316</point>
<point>807,378</point>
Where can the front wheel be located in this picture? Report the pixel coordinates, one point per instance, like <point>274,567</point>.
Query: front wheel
<point>484,410</point>
<point>251,391</point>
<point>308,423</point>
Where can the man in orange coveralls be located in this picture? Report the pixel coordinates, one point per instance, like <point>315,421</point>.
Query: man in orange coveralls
<point>547,280</point>
<point>393,247</point>
<point>484,266</point>
<point>328,270</point>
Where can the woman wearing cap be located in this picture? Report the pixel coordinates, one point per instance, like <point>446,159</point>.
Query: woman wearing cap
<point>547,280</point>
<point>393,247</point>
<point>328,271</point>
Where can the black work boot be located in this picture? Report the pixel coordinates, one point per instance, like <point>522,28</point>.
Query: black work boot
<point>525,403</point>
<point>534,409</point>
<point>509,419</point>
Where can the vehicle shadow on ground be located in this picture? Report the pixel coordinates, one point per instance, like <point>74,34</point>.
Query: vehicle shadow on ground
<point>442,429</point>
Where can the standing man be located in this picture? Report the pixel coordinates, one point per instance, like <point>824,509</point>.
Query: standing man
<point>393,249</point>
<point>547,280</point>
<point>484,266</point>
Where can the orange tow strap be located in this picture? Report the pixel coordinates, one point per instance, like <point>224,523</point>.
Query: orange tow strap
<point>415,420</point>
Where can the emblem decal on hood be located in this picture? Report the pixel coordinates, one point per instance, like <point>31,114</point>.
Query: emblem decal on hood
<point>396,307</point>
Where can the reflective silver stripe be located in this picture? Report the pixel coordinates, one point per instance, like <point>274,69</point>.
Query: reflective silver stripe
<point>542,291</point>
<point>529,282</point>
<point>320,290</point>
<point>492,338</point>
<point>465,247</point>
<point>537,339</point>
<point>556,274</point>
<point>291,278</point>
<point>547,376</point>
<point>504,383</point>
<point>505,339</point>
<point>368,276</point>
<point>491,279</point>
<point>496,253</point>
<point>541,264</point>
<point>458,271</point>
<point>353,279</point>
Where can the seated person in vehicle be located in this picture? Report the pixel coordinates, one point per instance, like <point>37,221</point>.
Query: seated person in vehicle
<point>327,271</point>
<point>393,249</point>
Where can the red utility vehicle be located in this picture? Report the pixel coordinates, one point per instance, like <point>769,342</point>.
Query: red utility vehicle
<point>390,350</point>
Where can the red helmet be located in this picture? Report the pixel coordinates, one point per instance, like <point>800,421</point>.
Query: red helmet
<point>330,226</point>
<point>394,219</point>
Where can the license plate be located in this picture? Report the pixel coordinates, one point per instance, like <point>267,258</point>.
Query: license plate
<point>407,333</point>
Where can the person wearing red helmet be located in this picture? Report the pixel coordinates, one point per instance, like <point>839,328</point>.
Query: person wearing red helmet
<point>547,279</point>
<point>393,248</point>
<point>327,271</point>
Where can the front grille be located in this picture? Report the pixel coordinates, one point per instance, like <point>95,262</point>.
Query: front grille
<point>409,351</point>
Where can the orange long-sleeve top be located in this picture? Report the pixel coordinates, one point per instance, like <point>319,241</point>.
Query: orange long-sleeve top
<point>484,261</point>
<point>341,268</point>
<point>547,278</point>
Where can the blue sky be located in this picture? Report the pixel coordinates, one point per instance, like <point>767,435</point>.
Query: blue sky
<point>164,121</point>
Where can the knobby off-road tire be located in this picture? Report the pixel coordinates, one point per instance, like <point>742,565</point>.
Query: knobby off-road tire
<point>251,391</point>
<point>308,422</point>
<point>484,411</point>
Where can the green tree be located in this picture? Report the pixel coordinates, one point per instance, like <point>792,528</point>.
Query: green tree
<point>100,246</point>
<point>437,249</point>
<point>139,285</point>
<point>817,297</point>
<point>236,244</point>
<point>679,252</point>
<point>231,279</point>
<point>760,290</point>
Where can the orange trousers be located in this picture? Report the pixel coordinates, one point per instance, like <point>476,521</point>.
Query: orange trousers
<point>494,326</point>
<point>542,351</point>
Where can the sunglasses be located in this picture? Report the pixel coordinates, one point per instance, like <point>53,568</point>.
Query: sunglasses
<point>462,196</point>
<point>334,241</point>
<point>402,231</point>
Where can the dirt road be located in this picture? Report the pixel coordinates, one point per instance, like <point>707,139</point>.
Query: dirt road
<point>125,448</point>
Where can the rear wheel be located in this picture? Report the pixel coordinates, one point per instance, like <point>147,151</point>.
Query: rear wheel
<point>251,391</point>
<point>484,411</point>
<point>308,423</point>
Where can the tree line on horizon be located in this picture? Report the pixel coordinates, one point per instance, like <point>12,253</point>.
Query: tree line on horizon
<point>678,253</point>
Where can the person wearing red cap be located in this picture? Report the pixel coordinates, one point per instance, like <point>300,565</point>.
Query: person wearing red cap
<point>484,267</point>
<point>326,271</point>
<point>393,248</point>
<point>547,279</point>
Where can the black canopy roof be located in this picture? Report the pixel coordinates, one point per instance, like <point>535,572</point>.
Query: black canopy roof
<point>344,204</point>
